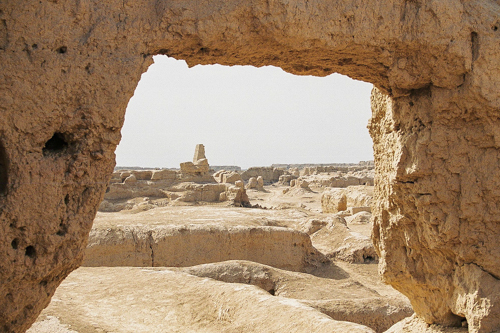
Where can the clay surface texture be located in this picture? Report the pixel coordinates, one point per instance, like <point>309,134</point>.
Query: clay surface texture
<point>69,68</point>
<point>321,263</point>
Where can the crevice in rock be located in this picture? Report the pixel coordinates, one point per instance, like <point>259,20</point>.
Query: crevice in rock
<point>415,94</point>
<point>162,51</point>
<point>4,39</point>
<point>481,268</point>
<point>30,251</point>
<point>63,229</point>
<point>4,162</point>
<point>62,49</point>
<point>89,69</point>
<point>57,144</point>
<point>151,243</point>
<point>474,39</point>
<point>369,259</point>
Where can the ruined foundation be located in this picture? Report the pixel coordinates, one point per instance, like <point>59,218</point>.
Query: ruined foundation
<point>69,68</point>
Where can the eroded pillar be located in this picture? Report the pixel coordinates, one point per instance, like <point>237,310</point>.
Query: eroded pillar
<point>437,208</point>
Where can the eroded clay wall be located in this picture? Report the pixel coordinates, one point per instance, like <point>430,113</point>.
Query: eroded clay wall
<point>68,69</point>
<point>436,217</point>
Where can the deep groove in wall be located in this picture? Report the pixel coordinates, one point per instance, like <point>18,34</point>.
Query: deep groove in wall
<point>151,243</point>
<point>4,172</point>
<point>474,45</point>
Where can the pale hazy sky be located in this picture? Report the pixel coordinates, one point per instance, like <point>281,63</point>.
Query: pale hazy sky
<point>244,116</point>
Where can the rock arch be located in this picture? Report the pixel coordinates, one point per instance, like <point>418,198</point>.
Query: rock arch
<point>70,67</point>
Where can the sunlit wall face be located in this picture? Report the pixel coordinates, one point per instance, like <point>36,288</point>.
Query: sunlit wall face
<point>244,116</point>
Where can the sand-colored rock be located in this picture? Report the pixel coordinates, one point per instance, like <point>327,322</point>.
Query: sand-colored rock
<point>178,302</point>
<point>415,325</point>
<point>260,183</point>
<point>341,297</point>
<point>225,176</point>
<point>69,69</point>
<point>231,177</point>
<point>252,183</point>
<point>188,245</point>
<point>334,201</point>
<point>146,189</point>
<point>132,188</point>
<point>130,180</point>
<point>362,217</point>
<point>194,192</point>
<point>191,169</point>
<point>143,174</point>
<point>285,179</point>
<point>199,154</point>
<point>340,179</point>
<point>357,198</point>
<point>198,169</point>
<point>184,236</point>
<point>300,183</point>
<point>268,174</point>
<point>129,239</point>
<point>163,174</point>
<point>333,238</point>
<point>435,208</point>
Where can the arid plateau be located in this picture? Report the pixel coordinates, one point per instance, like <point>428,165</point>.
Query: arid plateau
<point>287,249</point>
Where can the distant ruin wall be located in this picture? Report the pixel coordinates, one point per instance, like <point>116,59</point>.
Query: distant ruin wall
<point>70,67</point>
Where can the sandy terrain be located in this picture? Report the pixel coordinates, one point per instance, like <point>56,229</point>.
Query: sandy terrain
<point>232,269</point>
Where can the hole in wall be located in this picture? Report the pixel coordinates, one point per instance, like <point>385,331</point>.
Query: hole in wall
<point>89,69</point>
<point>55,145</point>
<point>369,259</point>
<point>245,116</point>
<point>62,49</point>
<point>162,51</point>
<point>15,243</point>
<point>30,251</point>
<point>63,229</point>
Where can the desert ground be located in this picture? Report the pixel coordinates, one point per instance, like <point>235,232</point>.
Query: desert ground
<point>263,250</point>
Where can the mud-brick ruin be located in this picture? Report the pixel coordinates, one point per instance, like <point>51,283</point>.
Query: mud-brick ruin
<point>69,68</point>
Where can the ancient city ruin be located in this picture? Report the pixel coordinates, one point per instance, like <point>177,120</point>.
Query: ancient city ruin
<point>70,67</point>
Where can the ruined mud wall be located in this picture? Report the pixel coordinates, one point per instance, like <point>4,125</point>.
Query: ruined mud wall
<point>437,213</point>
<point>68,69</point>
